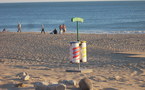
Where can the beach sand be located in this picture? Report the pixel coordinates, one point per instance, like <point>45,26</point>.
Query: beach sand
<point>117,60</point>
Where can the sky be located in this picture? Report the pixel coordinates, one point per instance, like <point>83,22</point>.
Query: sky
<point>7,1</point>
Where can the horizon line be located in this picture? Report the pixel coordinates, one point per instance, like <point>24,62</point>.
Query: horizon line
<point>66,1</point>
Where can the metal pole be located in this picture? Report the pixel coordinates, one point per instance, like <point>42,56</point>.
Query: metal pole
<point>78,40</point>
<point>77,31</point>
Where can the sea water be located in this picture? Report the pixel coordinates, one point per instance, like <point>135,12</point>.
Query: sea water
<point>99,16</point>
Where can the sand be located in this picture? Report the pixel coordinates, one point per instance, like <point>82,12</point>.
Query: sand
<point>117,60</point>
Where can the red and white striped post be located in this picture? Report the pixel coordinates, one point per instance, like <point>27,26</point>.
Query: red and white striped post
<point>74,52</point>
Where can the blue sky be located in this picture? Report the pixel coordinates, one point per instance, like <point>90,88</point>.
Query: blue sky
<point>1,1</point>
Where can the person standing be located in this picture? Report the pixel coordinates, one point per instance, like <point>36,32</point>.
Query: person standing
<point>60,29</point>
<point>64,28</point>
<point>42,30</point>
<point>19,27</point>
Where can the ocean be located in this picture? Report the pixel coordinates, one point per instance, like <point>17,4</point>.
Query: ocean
<point>99,17</point>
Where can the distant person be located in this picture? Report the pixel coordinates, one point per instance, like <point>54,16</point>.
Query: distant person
<point>55,31</point>
<point>60,29</point>
<point>61,32</point>
<point>4,30</point>
<point>19,27</point>
<point>42,30</point>
<point>64,28</point>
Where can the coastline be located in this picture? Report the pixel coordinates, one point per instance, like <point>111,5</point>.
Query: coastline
<point>45,55</point>
<point>86,32</point>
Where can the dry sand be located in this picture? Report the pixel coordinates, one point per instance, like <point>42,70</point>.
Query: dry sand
<point>117,60</point>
